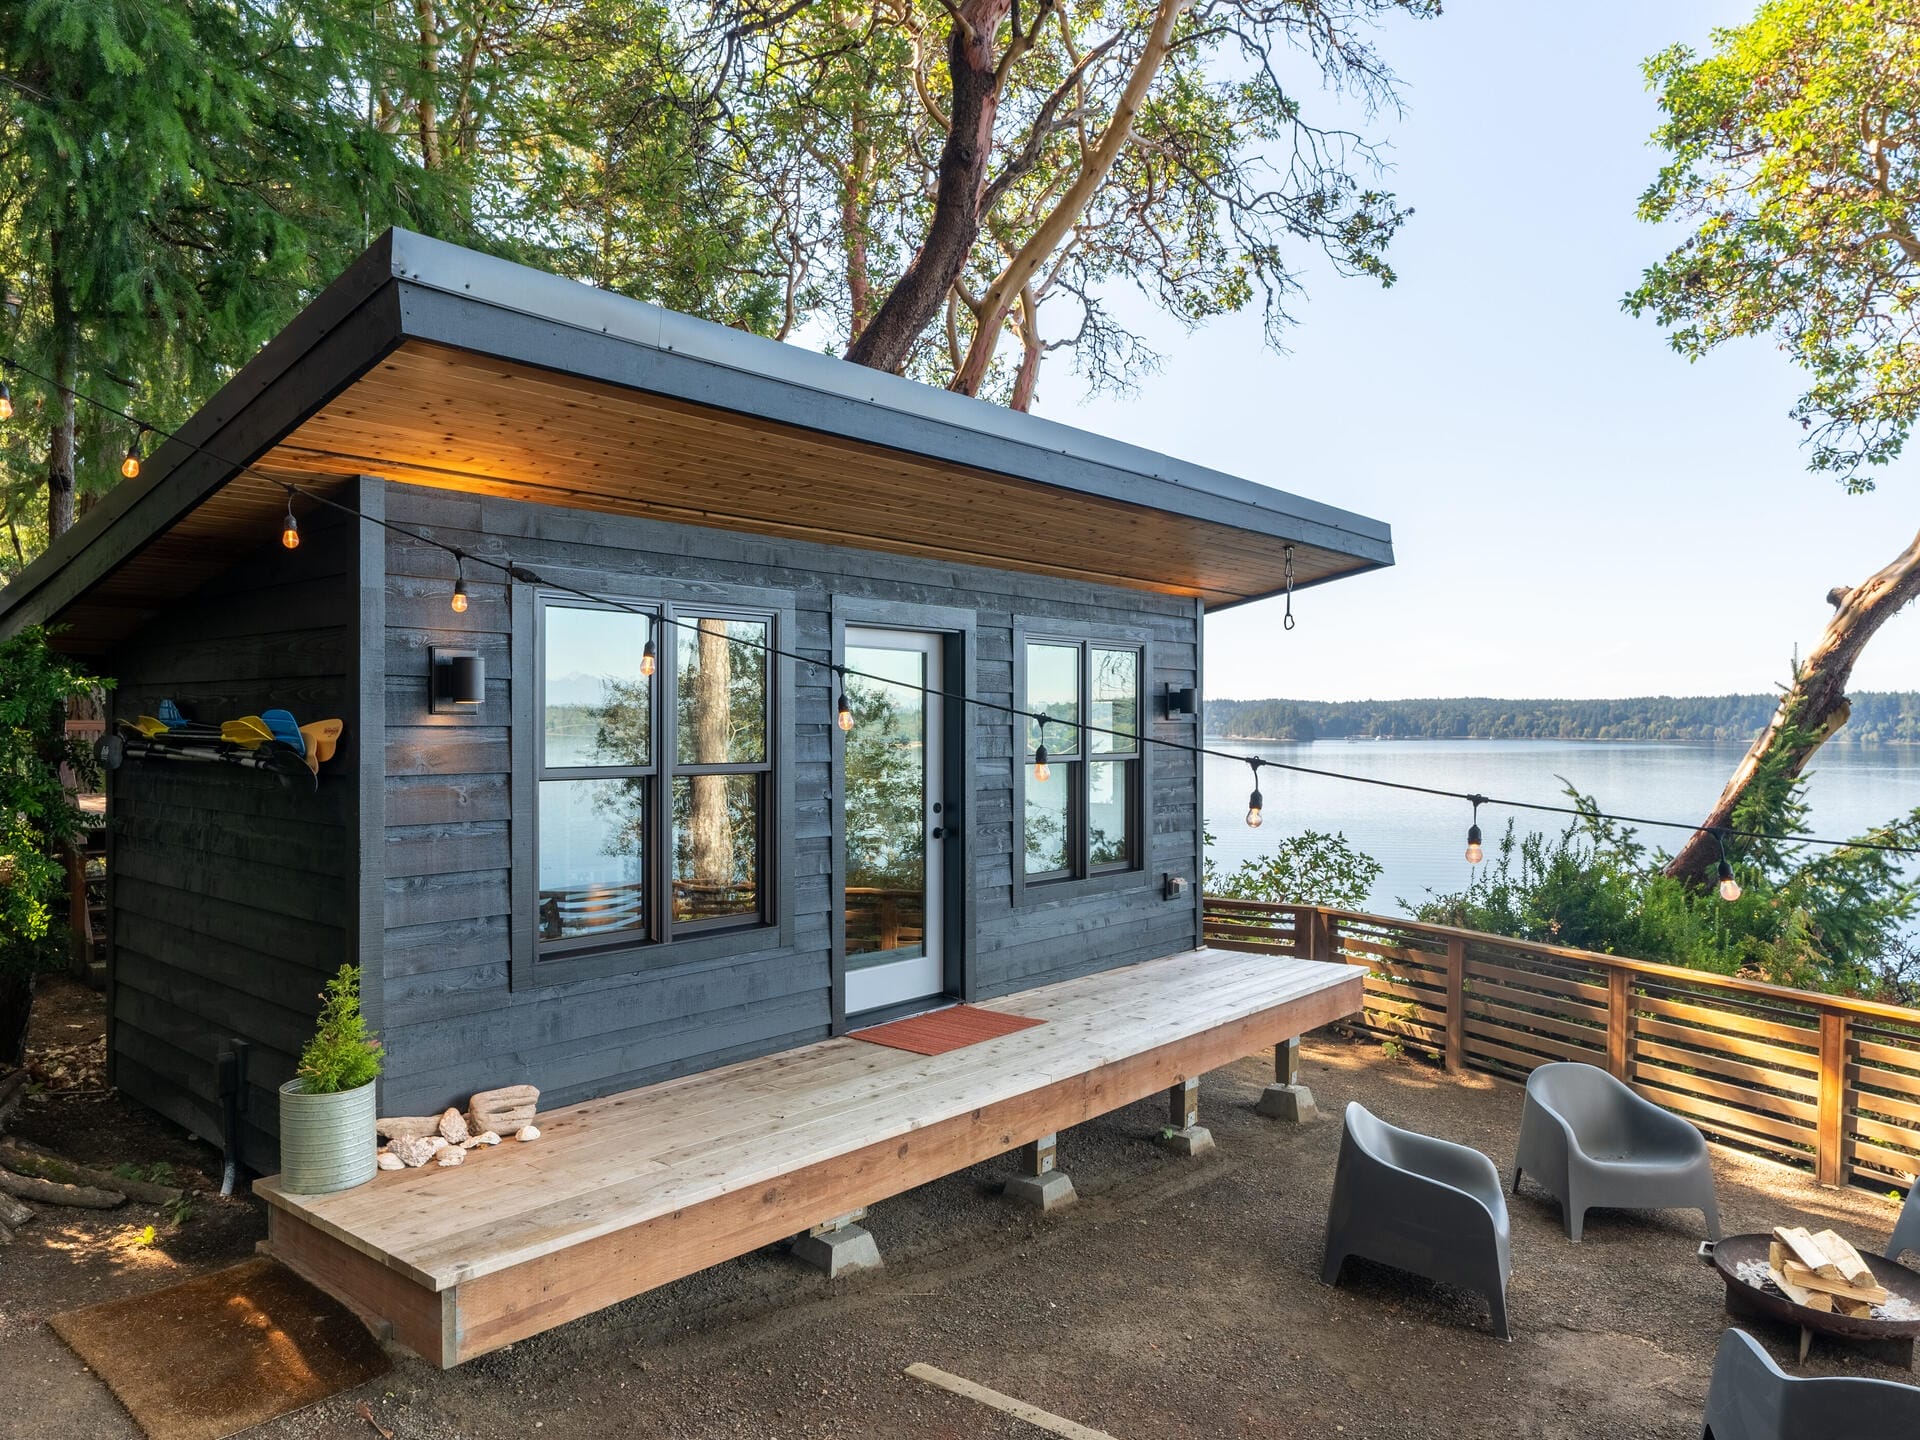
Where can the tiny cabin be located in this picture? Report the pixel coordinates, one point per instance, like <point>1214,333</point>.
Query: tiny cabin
<point>690,684</point>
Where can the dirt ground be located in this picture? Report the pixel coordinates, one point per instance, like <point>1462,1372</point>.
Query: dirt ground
<point>1179,1298</point>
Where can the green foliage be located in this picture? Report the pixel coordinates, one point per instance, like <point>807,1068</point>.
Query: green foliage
<point>1795,163</point>
<point>1876,717</point>
<point>1311,868</point>
<point>1814,918</point>
<point>38,815</point>
<point>342,1055</point>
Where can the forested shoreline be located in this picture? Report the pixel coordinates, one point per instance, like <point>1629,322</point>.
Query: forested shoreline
<point>1878,718</point>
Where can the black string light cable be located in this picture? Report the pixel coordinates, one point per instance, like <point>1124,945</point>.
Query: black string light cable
<point>522,574</point>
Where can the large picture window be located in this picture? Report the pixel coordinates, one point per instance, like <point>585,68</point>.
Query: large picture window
<point>653,774</point>
<point>1083,818</point>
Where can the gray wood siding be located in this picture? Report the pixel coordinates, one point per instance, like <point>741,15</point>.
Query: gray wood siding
<point>230,894</point>
<point>454,1022</point>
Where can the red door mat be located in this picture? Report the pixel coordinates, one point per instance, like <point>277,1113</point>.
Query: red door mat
<point>938,1031</point>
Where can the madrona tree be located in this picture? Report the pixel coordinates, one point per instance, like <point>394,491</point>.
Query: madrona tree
<point>1794,160</point>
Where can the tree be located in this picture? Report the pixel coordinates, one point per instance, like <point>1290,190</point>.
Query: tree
<point>1795,158</point>
<point>1007,154</point>
<point>38,819</point>
<point>192,172</point>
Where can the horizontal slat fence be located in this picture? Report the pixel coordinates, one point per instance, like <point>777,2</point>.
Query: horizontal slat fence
<point>1821,1081</point>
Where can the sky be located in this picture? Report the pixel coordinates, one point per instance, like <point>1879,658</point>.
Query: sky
<point>1576,510</point>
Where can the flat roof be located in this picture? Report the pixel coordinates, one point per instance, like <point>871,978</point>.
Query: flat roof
<point>437,365</point>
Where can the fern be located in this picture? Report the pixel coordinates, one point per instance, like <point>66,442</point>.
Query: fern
<point>341,1055</point>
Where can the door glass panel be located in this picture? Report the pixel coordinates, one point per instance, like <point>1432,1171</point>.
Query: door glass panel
<point>1053,690</point>
<point>1115,707</point>
<point>886,805</point>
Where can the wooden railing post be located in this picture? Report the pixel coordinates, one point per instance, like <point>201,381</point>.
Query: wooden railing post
<point>1329,937</point>
<point>1833,1091</point>
<point>1456,1051</point>
<point>1620,1024</point>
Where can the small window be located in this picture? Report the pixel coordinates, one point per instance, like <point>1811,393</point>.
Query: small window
<point>651,816</point>
<point>1084,817</point>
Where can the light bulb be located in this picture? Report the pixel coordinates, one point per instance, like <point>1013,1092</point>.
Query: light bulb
<point>459,601</point>
<point>1475,854</point>
<point>290,531</point>
<point>649,662</point>
<point>1256,805</point>
<point>844,716</point>
<point>1042,772</point>
<point>130,467</point>
<point>6,401</point>
<point>1729,887</point>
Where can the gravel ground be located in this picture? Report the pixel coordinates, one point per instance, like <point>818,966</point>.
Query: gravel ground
<point>1178,1298</point>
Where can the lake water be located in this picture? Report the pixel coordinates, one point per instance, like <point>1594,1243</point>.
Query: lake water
<point>1420,839</point>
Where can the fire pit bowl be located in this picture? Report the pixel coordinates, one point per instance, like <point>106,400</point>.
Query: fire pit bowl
<point>1888,1340</point>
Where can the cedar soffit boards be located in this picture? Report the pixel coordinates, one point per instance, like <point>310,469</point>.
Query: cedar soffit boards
<point>435,365</point>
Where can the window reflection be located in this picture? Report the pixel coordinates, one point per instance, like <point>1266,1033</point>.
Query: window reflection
<point>599,707</point>
<point>716,847</point>
<point>721,691</point>
<point>592,857</point>
<point>886,803</point>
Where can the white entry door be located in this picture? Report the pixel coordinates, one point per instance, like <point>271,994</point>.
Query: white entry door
<point>891,788</point>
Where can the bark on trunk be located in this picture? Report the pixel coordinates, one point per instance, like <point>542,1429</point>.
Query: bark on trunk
<point>1026,380</point>
<point>887,342</point>
<point>1815,706</point>
<point>61,439</point>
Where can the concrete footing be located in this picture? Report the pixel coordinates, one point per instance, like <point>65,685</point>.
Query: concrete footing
<point>1051,1191</point>
<point>838,1248</point>
<point>1192,1140</point>
<point>1288,1102</point>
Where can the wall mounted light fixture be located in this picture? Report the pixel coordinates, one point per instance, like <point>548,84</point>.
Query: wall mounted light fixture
<point>458,680</point>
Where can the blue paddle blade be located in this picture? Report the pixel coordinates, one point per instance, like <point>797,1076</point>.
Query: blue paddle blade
<point>286,730</point>
<point>170,715</point>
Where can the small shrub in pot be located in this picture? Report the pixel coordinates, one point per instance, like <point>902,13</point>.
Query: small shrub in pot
<point>328,1139</point>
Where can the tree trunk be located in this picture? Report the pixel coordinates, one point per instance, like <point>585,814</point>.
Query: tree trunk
<point>16,1009</point>
<point>709,826</point>
<point>1026,380</point>
<point>1815,706</point>
<point>61,438</point>
<point>888,340</point>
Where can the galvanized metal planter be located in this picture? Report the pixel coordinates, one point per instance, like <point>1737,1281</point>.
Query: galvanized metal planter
<point>327,1142</point>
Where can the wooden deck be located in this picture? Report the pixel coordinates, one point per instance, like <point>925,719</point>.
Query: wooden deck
<point>633,1190</point>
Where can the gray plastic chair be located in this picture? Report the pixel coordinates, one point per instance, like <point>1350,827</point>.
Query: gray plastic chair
<point>1419,1204</point>
<point>1751,1398</point>
<point>1591,1143</point>
<point>1906,1230</point>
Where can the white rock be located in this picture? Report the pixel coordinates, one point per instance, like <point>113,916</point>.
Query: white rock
<point>453,1126</point>
<point>527,1132</point>
<point>486,1137</point>
<point>416,1150</point>
<point>407,1127</point>
<point>391,1161</point>
<point>452,1155</point>
<point>503,1110</point>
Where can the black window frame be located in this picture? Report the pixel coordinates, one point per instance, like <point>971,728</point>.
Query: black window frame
<point>1082,876</point>
<point>665,941</point>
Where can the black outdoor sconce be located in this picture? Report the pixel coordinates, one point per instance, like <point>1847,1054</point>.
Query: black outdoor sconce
<point>459,680</point>
<point>1180,702</point>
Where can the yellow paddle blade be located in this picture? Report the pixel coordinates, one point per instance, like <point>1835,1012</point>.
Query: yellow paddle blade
<point>148,726</point>
<point>248,731</point>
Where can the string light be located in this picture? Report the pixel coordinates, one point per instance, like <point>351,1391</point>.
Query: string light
<point>1729,887</point>
<point>1042,772</point>
<point>1475,853</point>
<point>650,660</point>
<point>290,538</point>
<point>459,601</point>
<point>1256,803</point>
<point>843,712</point>
<point>130,467</point>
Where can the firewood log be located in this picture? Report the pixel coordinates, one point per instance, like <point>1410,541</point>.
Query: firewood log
<point>42,1165</point>
<point>50,1192</point>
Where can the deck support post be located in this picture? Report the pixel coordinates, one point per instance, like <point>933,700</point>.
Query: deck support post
<point>1040,1184</point>
<point>1185,1135</point>
<point>1287,1098</point>
<point>838,1246</point>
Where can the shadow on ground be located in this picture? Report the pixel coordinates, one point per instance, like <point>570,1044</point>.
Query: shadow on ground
<point>1179,1298</point>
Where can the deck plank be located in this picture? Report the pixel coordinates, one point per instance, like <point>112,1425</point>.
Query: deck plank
<point>624,1162</point>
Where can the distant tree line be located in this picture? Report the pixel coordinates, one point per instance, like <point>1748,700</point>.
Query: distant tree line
<point>1878,718</point>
